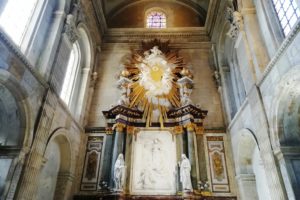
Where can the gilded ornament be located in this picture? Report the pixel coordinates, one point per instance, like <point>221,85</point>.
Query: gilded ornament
<point>184,72</point>
<point>119,127</point>
<point>199,130</point>
<point>154,89</point>
<point>109,130</point>
<point>125,73</point>
<point>190,127</point>
<point>177,130</point>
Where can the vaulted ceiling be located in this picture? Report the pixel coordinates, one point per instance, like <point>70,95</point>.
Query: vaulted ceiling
<point>131,13</point>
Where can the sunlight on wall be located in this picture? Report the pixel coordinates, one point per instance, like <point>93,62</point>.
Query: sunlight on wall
<point>15,18</point>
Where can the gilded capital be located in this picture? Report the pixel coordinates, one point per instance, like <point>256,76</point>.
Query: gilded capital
<point>119,127</point>
<point>177,130</point>
<point>190,127</point>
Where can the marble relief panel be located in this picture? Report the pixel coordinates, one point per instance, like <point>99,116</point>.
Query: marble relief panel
<point>217,164</point>
<point>154,163</point>
<point>92,163</point>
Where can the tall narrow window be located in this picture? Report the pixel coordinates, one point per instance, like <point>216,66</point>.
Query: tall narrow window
<point>15,18</point>
<point>288,13</point>
<point>71,75</point>
<point>156,19</point>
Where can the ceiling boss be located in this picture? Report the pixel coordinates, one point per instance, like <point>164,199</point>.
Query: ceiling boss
<point>153,73</point>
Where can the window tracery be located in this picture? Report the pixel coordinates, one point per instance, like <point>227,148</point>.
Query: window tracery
<point>288,13</point>
<point>156,19</point>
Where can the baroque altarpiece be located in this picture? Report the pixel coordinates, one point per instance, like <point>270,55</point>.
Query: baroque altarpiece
<point>153,124</point>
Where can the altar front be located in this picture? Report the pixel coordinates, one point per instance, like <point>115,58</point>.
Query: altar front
<point>153,124</point>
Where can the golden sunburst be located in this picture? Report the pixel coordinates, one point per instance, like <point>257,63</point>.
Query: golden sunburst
<point>154,71</point>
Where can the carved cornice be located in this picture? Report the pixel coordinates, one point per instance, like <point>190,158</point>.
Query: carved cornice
<point>192,34</point>
<point>282,49</point>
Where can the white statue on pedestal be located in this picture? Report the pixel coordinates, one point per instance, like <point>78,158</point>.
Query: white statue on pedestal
<point>119,173</point>
<point>185,173</point>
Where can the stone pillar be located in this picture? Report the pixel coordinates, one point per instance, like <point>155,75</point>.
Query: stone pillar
<point>178,132</point>
<point>128,151</point>
<point>83,91</point>
<point>118,147</point>
<point>284,157</point>
<point>106,162</point>
<point>192,154</point>
<point>275,184</point>
<point>255,40</point>
<point>247,186</point>
<point>63,185</point>
<point>201,158</point>
<point>28,185</point>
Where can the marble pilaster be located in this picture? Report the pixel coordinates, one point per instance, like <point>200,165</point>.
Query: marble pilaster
<point>192,156</point>
<point>247,186</point>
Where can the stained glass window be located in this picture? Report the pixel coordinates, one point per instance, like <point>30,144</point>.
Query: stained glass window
<point>288,13</point>
<point>156,19</point>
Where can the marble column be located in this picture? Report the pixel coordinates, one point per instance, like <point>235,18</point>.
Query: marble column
<point>255,40</point>
<point>192,154</point>
<point>180,150</point>
<point>106,163</point>
<point>118,147</point>
<point>201,158</point>
<point>128,149</point>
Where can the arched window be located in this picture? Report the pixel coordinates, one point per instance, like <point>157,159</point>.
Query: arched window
<point>288,13</point>
<point>15,18</point>
<point>68,88</point>
<point>156,19</point>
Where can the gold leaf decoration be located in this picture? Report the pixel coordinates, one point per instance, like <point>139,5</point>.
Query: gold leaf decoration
<point>154,71</point>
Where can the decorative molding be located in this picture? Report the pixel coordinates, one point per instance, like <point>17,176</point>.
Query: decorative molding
<point>70,28</point>
<point>17,52</point>
<point>285,44</point>
<point>236,22</point>
<point>192,34</point>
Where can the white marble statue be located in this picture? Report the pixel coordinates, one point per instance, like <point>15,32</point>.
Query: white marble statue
<point>119,173</point>
<point>185,173</point>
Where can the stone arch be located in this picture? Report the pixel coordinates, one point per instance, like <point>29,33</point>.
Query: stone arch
<point>57,172</point>
<point>251,177</point>
<point>286,90</point>
<point>246,145</point>
<point>16,123</point>
<point>285,129</point>
<point>131,14</point>
<point>85,43</point>
<point>82,79</point>
<point>227,63</point>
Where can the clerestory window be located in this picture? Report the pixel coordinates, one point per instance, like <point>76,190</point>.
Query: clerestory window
<point>72,71</point>
<point>288,13</point>
<point>15,18</point>
<point>156,19</point>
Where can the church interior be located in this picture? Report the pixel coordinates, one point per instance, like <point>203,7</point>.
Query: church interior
<point>150,99</point>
